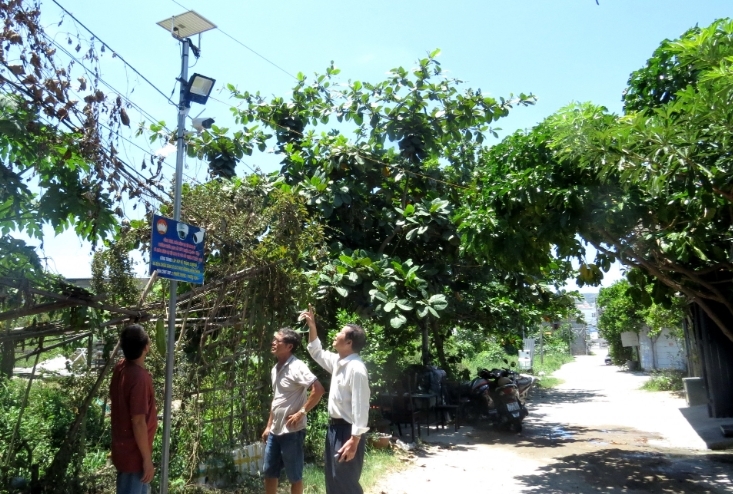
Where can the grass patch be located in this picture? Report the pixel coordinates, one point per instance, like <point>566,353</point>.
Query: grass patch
<point>664,380</point>
<point>377,463</point>
<point>551,362</point>
<point>547,382</point>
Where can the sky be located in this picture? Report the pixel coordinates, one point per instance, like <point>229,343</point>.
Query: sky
<point>559,50</point>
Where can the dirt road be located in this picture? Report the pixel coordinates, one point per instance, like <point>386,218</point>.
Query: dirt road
<point>596,432</point>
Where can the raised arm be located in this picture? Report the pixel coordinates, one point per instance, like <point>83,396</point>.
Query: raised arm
<point>325,359</point>
<point>310,318</point>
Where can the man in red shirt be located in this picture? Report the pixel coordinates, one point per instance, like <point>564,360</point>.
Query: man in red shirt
<point>134,417</point>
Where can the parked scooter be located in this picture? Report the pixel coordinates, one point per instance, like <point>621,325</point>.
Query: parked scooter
<point>495,396</point>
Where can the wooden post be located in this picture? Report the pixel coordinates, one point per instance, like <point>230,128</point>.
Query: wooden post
<point>8,358</point>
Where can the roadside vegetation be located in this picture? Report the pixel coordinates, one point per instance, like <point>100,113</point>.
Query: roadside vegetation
<point>622,310</point>
<point>555,353</point>
<point>665,380</point>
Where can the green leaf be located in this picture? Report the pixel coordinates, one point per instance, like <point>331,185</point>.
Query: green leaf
<point>398,321</point>
<point>438,301</point>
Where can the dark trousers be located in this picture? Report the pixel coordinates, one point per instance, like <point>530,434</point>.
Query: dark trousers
<point>342,477</point>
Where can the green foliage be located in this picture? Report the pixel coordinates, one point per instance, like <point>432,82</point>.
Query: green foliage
<point>58,162</point>
<point>665,380</point>
<point>492,354</point>
<point>46,419</point>
<point>387,197</point>
<point>315,434</point>
<point>113,275</point>
<point>650,188</point>
<point>621,310</point>
<point>618,313</point>
<point>385,356</point>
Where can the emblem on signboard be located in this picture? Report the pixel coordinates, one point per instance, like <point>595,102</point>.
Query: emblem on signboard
<point>162,226</point>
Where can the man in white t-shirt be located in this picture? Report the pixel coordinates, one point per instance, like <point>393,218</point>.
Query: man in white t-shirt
<point>348,405</point>
<point>285,432</point>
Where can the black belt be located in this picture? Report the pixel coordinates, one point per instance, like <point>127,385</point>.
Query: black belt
<point>333,421</point>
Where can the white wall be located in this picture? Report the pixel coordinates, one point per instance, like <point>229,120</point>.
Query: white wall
<point>669,351</point>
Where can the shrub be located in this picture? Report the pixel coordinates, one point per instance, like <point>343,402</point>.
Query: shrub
<point>664,380</point>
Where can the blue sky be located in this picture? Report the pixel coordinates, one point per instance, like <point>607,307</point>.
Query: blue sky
<point>559,50</point>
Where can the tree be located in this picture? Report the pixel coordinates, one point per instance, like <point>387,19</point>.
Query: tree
<point>620,310</point>
<point>58,162</point>
<point>387,199</point>
<point>650,188</point>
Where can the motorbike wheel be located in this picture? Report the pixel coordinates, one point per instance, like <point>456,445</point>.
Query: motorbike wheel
<point>471,412</point>
<point>515,427</point>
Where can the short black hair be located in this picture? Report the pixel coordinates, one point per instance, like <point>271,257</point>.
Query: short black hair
<point>290,337</point>
<point>133,341</point>
<point>357,336</point>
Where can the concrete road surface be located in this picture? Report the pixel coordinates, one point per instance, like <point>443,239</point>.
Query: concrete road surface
<point>595,433</point>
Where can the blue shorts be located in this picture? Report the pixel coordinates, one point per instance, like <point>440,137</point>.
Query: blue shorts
<point>131,483</point>
<point>285,450</point>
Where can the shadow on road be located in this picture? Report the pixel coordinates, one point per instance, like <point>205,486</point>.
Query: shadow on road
<point>564,396</point>
<point>613,470</point>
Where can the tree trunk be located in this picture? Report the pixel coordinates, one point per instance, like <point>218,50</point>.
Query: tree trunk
<point>438,340</point>
<point>426,342</point>
<point>715,352</point>
<point>8,359</point>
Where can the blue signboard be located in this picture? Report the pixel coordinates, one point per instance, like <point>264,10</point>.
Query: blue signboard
<point>177,250</point>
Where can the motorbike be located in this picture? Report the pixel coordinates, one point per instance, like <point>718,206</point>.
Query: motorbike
<point>495,395</point>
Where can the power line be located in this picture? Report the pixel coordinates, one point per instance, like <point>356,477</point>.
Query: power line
<point>114,52</point>
<point>369,158</point>
<point>245,46</point>
<point>148,152</point>
<point>91,73</point>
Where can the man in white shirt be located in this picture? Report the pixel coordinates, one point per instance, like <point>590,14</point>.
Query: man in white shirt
<point>348,405</point>
<point>285,432</point>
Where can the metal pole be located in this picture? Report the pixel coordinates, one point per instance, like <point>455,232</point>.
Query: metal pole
<point>169,356</point>
<point>542,346</point>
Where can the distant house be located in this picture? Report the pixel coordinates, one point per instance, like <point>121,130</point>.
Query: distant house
<point>662,352</point>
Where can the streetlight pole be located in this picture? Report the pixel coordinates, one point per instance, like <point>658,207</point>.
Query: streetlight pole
<point>181,27</point>
<point>171,349</point>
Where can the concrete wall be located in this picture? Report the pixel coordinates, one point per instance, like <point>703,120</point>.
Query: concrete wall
<point>665,350</point>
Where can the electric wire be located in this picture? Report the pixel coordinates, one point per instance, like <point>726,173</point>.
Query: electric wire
<point>243,45</point>
<point>116,53</point>
<point>272,123</point>
<point>91,73</point>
